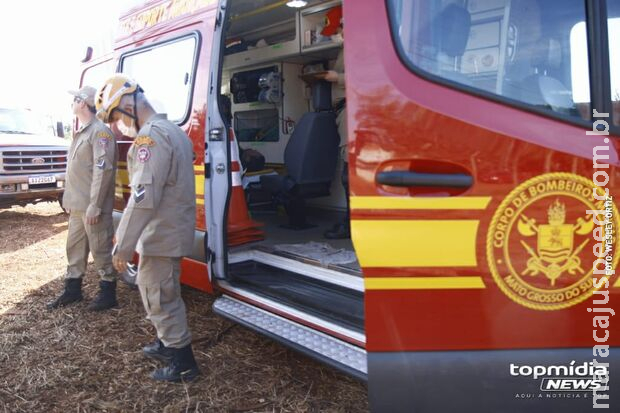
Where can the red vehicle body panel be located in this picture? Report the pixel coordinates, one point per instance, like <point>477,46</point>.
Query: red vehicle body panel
<point>138,31</point>
<point>395,115</point>
<point>431,297</point>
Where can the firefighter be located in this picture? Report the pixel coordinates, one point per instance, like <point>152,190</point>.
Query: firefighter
<point>159,218</point>
<point>89,198</point>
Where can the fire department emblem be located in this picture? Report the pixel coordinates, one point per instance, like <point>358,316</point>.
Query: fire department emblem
<point>541,239</point>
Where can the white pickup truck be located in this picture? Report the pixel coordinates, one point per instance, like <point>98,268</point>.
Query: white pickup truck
<point>32,160</point>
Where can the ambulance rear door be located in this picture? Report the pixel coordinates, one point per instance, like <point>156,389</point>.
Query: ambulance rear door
<point>217,160</point>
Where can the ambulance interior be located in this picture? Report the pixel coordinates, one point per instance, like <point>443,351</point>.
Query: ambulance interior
<point>284,120</point>
<point>519,49</point>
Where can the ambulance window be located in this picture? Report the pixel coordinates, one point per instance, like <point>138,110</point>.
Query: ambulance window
<point>580,68</point>
<point>95,75</point>
<point>165,72</point>
<point>500,47</point>
<point>614,57</point>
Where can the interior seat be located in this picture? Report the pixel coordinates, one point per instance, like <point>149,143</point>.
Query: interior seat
<point>542,88</point>
<point>310,159</point>
<point>453,27</point>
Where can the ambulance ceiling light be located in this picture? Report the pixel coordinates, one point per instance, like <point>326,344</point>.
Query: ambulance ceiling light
<point>296,3</point>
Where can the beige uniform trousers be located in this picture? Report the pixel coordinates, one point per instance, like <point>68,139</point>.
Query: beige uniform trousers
<point>160,288</point>
<point>96,239</point>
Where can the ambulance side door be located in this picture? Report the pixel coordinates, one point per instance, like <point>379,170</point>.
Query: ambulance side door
<point>471,174</point>
<point>217,159</point>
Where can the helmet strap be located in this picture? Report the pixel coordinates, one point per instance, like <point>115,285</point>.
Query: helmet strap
<point>135,105</point>
<point>133,116</point>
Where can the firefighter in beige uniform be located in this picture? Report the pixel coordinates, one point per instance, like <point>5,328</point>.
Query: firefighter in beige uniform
<point>159,218</point>
<point>89,198</point>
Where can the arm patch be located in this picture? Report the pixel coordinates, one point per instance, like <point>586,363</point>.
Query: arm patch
<point>100,163</point>
<point>139,193</point>
<point>143,154</point>
<point>144,141</point>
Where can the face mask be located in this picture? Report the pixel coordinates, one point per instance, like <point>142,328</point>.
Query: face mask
<point>130,130</point>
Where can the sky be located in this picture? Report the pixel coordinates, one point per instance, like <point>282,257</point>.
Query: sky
<point>42,43</point>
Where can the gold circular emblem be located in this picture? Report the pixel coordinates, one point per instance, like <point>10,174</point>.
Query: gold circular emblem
<point>542,242</point>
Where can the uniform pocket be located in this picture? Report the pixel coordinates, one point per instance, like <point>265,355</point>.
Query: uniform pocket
<point>153,298</point>
<point>95,238</point>
<point>142,188</point>
<point>155,279</point>
<point>142,176</point>
<point>105,233</point>
<point>84,153</point>
<point>154,270</point>
<point>75,150</point>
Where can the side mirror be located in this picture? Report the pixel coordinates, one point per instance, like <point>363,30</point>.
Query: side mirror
<point>60,130</point>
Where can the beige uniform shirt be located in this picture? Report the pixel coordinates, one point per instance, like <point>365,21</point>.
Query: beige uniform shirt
<point>91,169</point>
<point>160,216</point>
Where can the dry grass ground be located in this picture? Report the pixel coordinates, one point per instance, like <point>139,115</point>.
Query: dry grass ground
<point>73,360</point>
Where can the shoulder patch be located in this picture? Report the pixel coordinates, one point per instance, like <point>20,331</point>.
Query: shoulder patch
<point>144,154</point>
<point>144,140</point>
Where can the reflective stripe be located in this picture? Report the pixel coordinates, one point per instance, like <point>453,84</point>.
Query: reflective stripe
<point>236,179</point>
<point>424,283</point>
<point>123,176</point>
<point>387,202</point>
<point>419,243</point>
<point>200,185</point>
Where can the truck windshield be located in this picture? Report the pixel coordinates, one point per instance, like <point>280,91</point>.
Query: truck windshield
<point>20,121</point>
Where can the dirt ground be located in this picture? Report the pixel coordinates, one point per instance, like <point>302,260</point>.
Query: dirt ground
<point>73,360</point>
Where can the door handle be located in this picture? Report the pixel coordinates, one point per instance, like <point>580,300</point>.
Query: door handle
<point>409,178</point>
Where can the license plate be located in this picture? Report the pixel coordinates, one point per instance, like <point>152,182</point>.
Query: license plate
<point>34,180</point>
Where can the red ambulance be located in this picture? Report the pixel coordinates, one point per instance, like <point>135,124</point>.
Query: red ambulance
<point>482,160</point>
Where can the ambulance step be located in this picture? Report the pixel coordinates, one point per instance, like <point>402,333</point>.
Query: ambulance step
<point>336,353</point>
<point>318,297</point>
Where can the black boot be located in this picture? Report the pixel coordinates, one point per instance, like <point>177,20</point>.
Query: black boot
<point>183,366</point>
<point>106,298</point>
<point>158,351</point>
<point>71,294</point>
